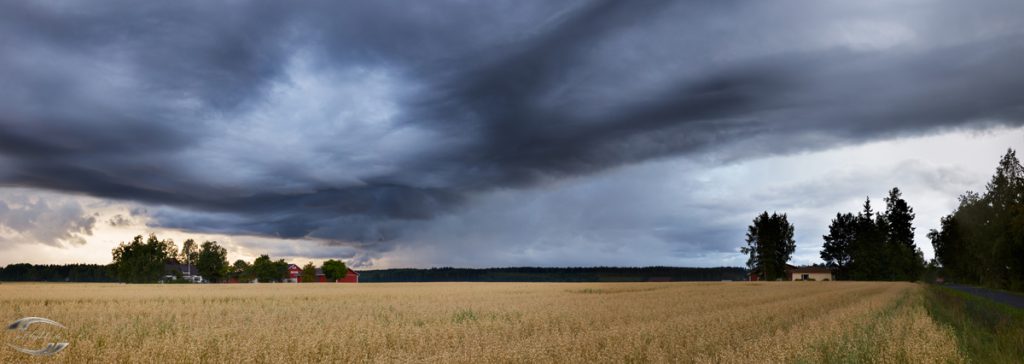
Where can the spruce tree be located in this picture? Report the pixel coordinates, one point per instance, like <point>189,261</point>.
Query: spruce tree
<point>867,250</point>
<point>770,245</point>
<point>905,260</point>
<point>1005,196</point>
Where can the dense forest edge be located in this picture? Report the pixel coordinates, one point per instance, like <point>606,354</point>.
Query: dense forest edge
<point>532,274</point>
<point>982,241</point>
<point>24,272</point>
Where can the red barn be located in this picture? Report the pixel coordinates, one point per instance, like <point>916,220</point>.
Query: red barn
<point>350,277</point>
<point>294,274</point>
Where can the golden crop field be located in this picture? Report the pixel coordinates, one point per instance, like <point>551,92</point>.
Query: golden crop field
<point>732,322</point>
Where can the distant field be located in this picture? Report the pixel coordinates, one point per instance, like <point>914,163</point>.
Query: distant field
<point>486,322</point>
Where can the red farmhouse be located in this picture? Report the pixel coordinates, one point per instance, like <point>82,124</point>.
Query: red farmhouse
<point>294,273</point>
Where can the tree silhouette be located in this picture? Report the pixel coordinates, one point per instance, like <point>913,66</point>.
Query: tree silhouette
<point>837,250</point>
<point>982,241</point>
<point>770,245</point>
<point>212,262</point>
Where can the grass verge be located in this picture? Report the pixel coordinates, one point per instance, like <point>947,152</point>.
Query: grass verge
<point>987,331</point>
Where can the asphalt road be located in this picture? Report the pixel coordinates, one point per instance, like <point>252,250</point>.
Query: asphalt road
<point>1015,300</point>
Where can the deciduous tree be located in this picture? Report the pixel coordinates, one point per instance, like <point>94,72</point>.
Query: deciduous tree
<point>335,270</point>
<point>837,250</point>
<point>189,253</point>
<point>140,262</point>
<point>241,270</point>
<point>265,270</point>
<point>212,262</point>
<point>309,273</point>
<point>982,241</point>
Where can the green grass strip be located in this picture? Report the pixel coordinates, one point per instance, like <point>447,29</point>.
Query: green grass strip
<point>988,331</point>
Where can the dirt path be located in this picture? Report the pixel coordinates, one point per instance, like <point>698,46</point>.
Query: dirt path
<point>1011,299</point>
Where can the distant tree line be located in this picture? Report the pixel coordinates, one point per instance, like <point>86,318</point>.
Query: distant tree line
<point>982,241</point>
<point>274,271</point>
<point>24,272</point>
<point>538,274</point>
<point>873,246</point>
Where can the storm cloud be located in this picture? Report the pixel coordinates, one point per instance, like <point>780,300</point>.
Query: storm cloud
<point>379,125</point>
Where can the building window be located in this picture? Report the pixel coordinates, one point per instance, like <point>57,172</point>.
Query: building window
<point>805,277</point>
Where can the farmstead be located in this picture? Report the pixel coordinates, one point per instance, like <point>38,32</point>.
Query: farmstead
<point>295,275</point>
<point>812,273</point>
<point>794,273</point>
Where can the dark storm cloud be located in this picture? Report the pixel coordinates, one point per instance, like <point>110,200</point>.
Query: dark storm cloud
<point>124,100</point>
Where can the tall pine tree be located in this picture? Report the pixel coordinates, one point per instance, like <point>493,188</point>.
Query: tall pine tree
<point>770,245</point>
<point>868,249</point>
<point>904,258</point>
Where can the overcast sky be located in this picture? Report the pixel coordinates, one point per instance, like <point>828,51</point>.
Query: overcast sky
<point>491,133</point>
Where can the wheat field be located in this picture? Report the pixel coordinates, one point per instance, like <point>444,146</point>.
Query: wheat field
<point>730,322</point>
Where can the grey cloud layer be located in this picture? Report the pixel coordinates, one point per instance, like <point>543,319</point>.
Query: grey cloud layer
<point>52,221</point>
<point>360,123</point>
